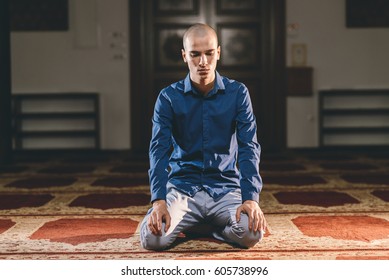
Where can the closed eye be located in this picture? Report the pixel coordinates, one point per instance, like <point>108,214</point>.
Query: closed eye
<point>197,54</point>
<point>194,54</point>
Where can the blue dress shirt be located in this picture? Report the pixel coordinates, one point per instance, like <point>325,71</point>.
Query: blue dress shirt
<point>204,142</point>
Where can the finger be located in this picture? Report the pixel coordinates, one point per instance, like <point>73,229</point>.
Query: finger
<point>251,219</point>
<point>265,228</point>
<point>167,222</point>
<point>151,225</point>
<point>257,222</point>
<point>237,215</point>
<point>158,220</point>
<point>156,223</point>
<point>263,223</point>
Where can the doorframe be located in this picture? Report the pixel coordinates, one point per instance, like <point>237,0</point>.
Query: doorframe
<point>5,85</point>
<point>274,78</point>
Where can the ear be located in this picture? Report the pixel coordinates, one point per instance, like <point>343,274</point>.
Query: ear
<point>218,52</point>
<point>183,55</point>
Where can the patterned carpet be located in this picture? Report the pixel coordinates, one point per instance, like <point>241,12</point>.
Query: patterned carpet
<point>318,206</point>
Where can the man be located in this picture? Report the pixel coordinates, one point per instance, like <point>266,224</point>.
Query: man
<point>208,120</point>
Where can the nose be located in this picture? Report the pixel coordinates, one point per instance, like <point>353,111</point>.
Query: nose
<point>203,60</point>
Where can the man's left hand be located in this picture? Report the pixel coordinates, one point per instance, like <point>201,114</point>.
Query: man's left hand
<point>257,221</point>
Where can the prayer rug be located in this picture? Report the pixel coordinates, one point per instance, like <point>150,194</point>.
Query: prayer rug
<point>318,206</point>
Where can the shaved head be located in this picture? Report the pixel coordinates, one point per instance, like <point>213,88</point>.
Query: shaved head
<point>201,53</point>
<point>198,30</point>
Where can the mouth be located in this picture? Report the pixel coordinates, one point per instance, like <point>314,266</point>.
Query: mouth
<point>203,71</point>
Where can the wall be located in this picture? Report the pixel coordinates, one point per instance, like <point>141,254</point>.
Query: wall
<point>83,59</point>
<point>91,56</point>
<point>341,58</point>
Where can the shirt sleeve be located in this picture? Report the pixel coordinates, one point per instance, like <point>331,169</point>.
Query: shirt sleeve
<point>160,145</point>
<point>248,148</point>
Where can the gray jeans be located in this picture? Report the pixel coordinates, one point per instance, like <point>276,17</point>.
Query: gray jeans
<point>187,213</point>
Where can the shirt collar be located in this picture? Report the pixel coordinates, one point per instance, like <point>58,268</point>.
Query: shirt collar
<point>219,85</point>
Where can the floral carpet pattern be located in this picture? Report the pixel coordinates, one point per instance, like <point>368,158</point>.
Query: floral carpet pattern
<point>318,206</point>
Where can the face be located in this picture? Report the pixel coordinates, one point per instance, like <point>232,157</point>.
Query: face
<point>201,53</point>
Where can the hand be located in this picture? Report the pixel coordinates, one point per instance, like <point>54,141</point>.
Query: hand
<point>158,215</point>
<point>257,221</point>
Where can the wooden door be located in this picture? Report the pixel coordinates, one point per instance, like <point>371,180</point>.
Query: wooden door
<point>251,36</point>
<point>5,85</point>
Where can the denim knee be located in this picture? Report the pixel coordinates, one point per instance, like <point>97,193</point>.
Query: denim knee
<point>246,238</point>
<point>150,241</point>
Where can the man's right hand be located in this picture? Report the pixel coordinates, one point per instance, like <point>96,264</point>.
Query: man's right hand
<point>158,215</point>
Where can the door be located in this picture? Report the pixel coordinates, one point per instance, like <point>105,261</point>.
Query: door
<point>252,52</point>
<point>5,85</point>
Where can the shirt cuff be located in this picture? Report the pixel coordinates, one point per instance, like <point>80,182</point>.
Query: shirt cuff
<point>161,194</point>
<point>250,196</point>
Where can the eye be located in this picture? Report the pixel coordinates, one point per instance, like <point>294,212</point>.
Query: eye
<point>194,54</point>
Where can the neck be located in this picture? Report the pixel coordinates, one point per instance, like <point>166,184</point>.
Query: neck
<point>204,88</point>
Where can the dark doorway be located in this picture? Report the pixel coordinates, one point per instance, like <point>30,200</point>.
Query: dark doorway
<point>252,39</point>
<point>5,85</point>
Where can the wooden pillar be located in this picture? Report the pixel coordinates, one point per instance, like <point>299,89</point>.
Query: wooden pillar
<point>5,85</point>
